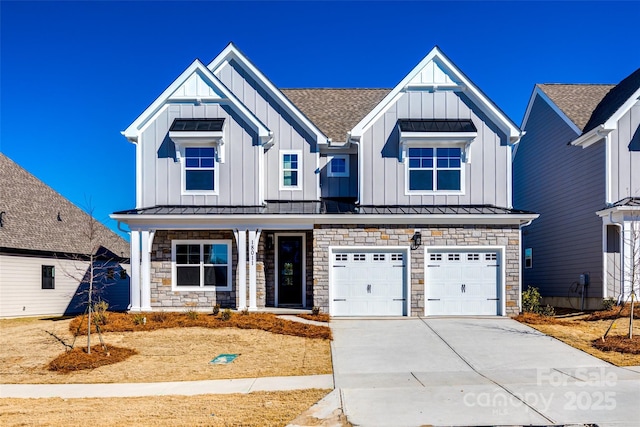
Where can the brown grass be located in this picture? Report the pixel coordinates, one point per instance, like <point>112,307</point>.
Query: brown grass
<point>581,333</point>
<point>79,359</point>
<point>176,354</point>
<point>253,409</point>
<point>130,322</point>
<point>320,317</point>
<point>618,343</point>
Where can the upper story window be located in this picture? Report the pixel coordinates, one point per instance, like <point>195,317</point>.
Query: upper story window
<point>434,169</point>
<point>201,265</point>
<point>199,169</point>
<point>290,168</point>
<point>339,166</point>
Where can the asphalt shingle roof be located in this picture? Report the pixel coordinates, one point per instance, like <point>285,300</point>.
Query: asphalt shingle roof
<point>577,101</point>
<point>335,111</point>
<point>31,211</point>
<point>613,100</point>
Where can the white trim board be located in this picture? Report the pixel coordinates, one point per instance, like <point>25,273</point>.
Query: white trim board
<point>304,265</point>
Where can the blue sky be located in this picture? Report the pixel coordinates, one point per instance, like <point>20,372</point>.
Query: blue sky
<point>74,74</point>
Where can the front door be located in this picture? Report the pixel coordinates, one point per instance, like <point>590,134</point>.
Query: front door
<point>290,266</point>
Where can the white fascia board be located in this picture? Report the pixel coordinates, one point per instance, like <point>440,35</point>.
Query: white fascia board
<point>612,122</point>
<point>594,135</point>
<point>623,209</point>
<point>537,92</point>
<point>297,221</point>
<point>132,132</point>
<point>487,106</point>
<point>232,52</point>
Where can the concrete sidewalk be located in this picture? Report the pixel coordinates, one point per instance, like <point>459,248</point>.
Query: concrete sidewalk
<point>184,388</point>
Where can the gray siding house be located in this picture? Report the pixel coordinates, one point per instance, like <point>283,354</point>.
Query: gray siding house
<point>44,251</point>
<point>384,202</point>
<point>578,165</point>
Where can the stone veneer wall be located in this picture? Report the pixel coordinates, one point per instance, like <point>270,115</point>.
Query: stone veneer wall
<point>367,235</point>
<point>164,298</point>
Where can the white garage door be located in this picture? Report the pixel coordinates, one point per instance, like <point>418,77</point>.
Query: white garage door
<point>463,283</point>
<point>368,282</point>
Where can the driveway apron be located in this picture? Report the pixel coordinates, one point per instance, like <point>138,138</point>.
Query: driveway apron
<point>473,371</point>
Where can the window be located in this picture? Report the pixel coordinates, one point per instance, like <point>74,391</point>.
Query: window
<point>379,257</point>
<point>339,166</point>
<point>199,169</point>
<point>290,170</point>
<point>359,257</point>
<point>434,169</point>
<point>341,257</point>
<point>48,277</point>
<point>202,264</point>
<point>528,258</point>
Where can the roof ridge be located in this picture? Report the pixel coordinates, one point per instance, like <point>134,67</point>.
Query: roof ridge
<point>336,88</point>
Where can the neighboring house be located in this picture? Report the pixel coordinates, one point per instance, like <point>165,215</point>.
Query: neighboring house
<point>579,166</point>
<point>43,251</point>
<point>358,201</point>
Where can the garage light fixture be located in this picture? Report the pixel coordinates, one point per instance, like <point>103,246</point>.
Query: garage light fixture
<point>416,240</point>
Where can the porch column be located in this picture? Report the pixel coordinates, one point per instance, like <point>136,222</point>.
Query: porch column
<point>145,285</point>
<point>134,283</point>
<point>254,238</point>
<point>241,269</point>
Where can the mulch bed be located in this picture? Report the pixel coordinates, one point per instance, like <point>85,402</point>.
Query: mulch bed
<point>613,313</point>
<point>538,319</point>
<point>78,359</point>
<point>320,317</point>
<point>129,322</point>
<point>619,343</point>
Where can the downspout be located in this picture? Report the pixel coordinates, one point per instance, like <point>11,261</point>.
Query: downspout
<point>526,224</point>
<point>621,226</point>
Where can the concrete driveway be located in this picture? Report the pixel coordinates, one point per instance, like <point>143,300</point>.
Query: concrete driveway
<point>463,371</point>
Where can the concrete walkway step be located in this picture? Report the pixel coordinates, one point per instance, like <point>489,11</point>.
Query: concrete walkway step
<point>183,388</point>
<point>302,320</point>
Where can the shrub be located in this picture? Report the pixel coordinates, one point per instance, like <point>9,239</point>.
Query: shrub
<point>192,314</point>
<point>139,319</point>
<point>216,309</point>
<point>531,302</point>
<point>100,312</point>
<point>315,310</point>
<point>159,317</point>
<point>245,312</point>
<point>608,304</point>
<point>226,314</point>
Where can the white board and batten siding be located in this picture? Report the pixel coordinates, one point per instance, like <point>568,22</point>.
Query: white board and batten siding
<point>369,281</point>
<point>464,281</point>
<point>624,168</point>
<point>486,175</point>
<point>288,135</point>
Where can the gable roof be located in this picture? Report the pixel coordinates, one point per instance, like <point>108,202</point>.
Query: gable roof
<point>437,72</point>
<point>231,52</point>
<point>627,90</point>
<point>576,101</point>
<point>335,111</point>
<point>31,211</point>
<point>214,91</point>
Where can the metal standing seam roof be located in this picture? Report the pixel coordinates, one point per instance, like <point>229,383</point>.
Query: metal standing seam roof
<point>324,207</point>
<point>436,125</point>
<point>628,201</point>
<point>37,218</point>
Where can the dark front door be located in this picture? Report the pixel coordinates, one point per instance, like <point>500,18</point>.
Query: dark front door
<point>290,265</point>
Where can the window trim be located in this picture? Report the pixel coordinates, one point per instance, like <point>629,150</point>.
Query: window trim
<point>53,277</point>
<point>183,171</point>
<point>297,187</point>
<point>201,287</point>
<point>434,145</point>
<point>331,173</point>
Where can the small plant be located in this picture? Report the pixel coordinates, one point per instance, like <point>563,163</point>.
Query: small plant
<point>608,304</point>
<point>216,309</point>
<point>531,303</point>
<point>315,310</point>
<point>139,319</point>
<point>100,312</point>
<point>192,314</point>
<point>226,314</point>
<point>159,317</point>
<point>245,312</point>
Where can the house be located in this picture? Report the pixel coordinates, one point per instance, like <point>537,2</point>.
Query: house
<point>578,165</point>
<point>44,253</point>
<point>361,202</point>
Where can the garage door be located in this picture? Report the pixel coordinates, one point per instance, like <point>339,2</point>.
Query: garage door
<point>368,283</point>
<point>463,283</point>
